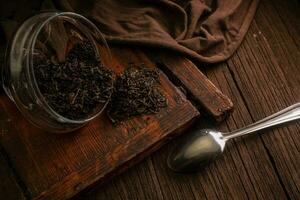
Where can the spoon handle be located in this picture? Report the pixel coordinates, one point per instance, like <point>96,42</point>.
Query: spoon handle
<point>288,114</point>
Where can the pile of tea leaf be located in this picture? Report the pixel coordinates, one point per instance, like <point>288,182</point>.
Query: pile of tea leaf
<point>137,91</point>
<point>74,88</point>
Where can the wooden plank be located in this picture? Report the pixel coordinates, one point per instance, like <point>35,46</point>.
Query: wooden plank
<point>199,88</point>
<point>139,182</point>
<point>238,173</point>
<point>250,149</point>
<point>245,171</point>
<point>288,12</point>
<point>9,188</point>
<point>265,69</point>
<point>59,166</point>
<point>263,166</point>
<point>9,184</point>
<point>274,29</point>
<point>185,74</point>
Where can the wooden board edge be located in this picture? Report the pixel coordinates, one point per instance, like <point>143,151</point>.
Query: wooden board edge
<point>76,182</point>
<point>200,90</point>
<point>9,186</point>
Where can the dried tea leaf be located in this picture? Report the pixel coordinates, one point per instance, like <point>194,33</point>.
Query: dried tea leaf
<point>137,91</point>
<point>76,87</point>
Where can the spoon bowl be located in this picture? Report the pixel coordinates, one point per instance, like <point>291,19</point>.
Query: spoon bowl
<point>204,146</point>
<point>201,148</point>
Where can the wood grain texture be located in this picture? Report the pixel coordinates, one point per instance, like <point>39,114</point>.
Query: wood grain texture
<point>186,76</point>
<point>59,166</point>
<point>275,70</point>
<point>261,78</point>
<point>199,88</point>
<point>9,189</point>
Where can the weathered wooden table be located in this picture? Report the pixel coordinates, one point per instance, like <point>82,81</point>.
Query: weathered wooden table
<point>262,77</point>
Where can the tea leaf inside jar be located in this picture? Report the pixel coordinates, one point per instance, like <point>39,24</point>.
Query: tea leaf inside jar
<point>74,88</point>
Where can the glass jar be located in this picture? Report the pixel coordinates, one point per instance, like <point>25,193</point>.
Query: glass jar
<point>50,32</point>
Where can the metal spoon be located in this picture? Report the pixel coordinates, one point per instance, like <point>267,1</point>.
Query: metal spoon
<point>204,146</point>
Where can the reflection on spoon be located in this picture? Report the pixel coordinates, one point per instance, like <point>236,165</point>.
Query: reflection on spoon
<point>204,146</point>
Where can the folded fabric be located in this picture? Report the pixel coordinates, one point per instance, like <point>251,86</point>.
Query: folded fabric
<point>206,30</point>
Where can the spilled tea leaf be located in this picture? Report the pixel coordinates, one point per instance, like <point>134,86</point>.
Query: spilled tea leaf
<point>137,91</point>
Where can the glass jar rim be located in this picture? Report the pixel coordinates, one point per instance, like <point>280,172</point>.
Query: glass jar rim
<point>30,69</point>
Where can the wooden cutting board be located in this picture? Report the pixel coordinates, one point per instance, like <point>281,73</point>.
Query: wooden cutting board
<point>39,165</point>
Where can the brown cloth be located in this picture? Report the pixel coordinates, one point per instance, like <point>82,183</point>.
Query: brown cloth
<point>206,30</point>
